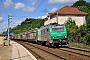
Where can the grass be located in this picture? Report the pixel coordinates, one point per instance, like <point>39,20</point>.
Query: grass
<point>87,47</point>
<point>79,45</point>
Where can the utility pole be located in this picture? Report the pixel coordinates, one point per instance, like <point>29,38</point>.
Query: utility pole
<point>57,17</point>
<point>9,17</point>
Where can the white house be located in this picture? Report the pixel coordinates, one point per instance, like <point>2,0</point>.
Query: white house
<point>64,14</point>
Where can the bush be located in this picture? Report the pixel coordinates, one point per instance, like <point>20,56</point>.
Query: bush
<point>87,38</point>
<point>77,34</point>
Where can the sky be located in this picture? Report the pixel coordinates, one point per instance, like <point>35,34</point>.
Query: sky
<point>19,10</point>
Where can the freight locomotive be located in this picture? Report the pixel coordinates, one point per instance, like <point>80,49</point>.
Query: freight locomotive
<point>52,35</point>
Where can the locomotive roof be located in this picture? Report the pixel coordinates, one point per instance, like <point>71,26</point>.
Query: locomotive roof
<point>51,24</point>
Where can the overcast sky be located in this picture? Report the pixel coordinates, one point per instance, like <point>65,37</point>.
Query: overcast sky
<point>20,9</point>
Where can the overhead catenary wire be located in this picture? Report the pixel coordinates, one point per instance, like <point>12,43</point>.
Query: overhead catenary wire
<point>36,8</point>
<point>18,16</point>
<point>28,13</point>
<point>7,12</point>
<point>34,11</point>
<point>9,17</point>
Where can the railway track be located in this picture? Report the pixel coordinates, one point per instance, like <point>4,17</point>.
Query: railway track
<point>34,53</point>
<point>78,51</point>
<point>40,53</point>
<point>31,51</point>
<point>67,52</point>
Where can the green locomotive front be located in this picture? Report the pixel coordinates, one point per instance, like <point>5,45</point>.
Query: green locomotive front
<point>52,35</point>
<point>58,35</point>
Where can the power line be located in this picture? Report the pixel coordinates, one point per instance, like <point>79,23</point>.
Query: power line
<point>14,15</point>
<point>34,6</point>
<point>4,7</point>
<point>29,12</point>
<point>37,8</point>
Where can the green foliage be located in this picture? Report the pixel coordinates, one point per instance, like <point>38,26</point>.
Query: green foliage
<point>83,31</point>
<point>77,34</point>
<point>70,24</point>
<point>83,8</point>
<point>28,24</point>
<point>88,20</point>
<point>72,29</point>
<point>79,3</point>
<point>87,38</point>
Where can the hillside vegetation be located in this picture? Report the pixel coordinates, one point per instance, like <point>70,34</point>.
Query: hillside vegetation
<point>28,24</point>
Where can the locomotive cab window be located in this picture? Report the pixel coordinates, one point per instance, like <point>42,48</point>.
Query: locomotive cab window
<point>57,28</point>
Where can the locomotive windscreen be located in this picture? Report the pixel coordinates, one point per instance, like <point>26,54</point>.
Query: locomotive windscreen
<point>57,28</point>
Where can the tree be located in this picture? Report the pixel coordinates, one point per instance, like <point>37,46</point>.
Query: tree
<point>83,8</point>
<point>70,24</point>
<point>79,3</point>
<point>28,24</point>
<point>72,30</point>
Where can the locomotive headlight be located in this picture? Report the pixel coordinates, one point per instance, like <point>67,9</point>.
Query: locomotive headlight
<point>53,37</point>
<point>65,35</point>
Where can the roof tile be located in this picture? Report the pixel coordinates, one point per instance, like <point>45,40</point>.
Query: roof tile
<point>69,10</point>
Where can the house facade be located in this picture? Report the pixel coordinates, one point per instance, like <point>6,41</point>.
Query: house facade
<point>63,14</point>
